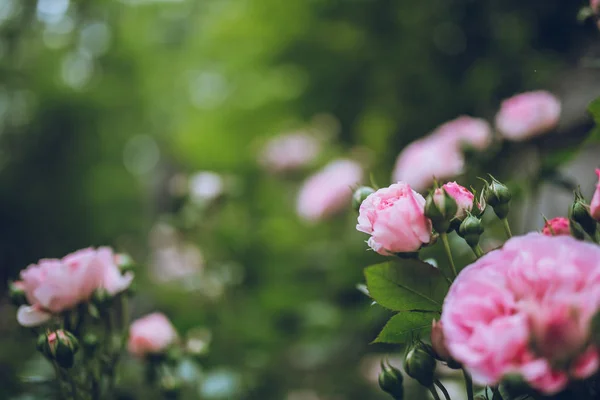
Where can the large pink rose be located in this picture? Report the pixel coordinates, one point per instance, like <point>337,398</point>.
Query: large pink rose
<point>290,152</point>
<point>595,204</point>
<point>395,219</point>
<point>526,309</point>
<point>527,115</point>
<point>53,285</point>
<point>150,335</point>
<point>329,190</point>
<point>463,197</point>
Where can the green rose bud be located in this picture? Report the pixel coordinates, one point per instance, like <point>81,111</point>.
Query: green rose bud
<point>62,347</point>
<point>420,364</point>
<point>16,291</point>
<point>441,209</point>
<point>498,197</point>
<point>470,230</point>
<point>390,381</point>
<point>101,299</point>
<point>579,212</point>
<point>360,195</point>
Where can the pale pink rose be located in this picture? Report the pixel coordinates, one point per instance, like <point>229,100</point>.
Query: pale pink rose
<point>395,219</point>
<point>151,334</point>
<point>527,115</point>
<point>595,5</point>
<point>556,227</point>
<point>53,286</point>
<point>426,159</point>
<point>290,152</point>
<point>329,190</point>
<point>595,204</point>
<point>465,130</point>
<point>523,307</point>
<point>438,343</point>
<point>463,197</point>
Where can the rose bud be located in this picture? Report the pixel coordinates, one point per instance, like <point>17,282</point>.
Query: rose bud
<point>360,195</point>
<point>101,299</point>
<point>395,219</point>
<point>498,197</point>
<point>16,291</point>
<point>595,204</point>
<point>527,115</point>
<point>556,227</point>
<point>576,230</point>
<point>419,364</point>
<point>440,208</point>
<point>462,196</point>
<point>470,230</point>
<point>580,213</point>
<point>61,346</point>
<point>438,342</point>
<point>390,381</point>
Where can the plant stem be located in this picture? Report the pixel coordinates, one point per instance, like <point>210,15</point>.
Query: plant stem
<point>436,396</point>
<point>478,251</point>
<point>468,384</point>
<point>444,237</point>
<point>59,380</point>
<point>506,227</point>
<point>442,388</point>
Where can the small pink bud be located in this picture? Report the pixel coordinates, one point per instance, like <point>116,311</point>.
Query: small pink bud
<point>462,196</point>
<point>438,343</point>
<point>556,227</point>
<point>595,205</point>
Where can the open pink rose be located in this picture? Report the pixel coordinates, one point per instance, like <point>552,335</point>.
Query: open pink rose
<point>150,335</point>
<point>523,308</point>
<point>53,286</point>
<point>290,152</point>
<point>595,204</point>
<point>463,197</point>
<point>329,190</point>
<point>556,227</point>
<point>527,115</point>
<point>395,219</point>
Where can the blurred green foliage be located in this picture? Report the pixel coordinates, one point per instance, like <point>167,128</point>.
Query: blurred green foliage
<point>101,101</point>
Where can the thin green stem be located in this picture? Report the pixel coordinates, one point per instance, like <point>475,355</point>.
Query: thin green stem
<point>444,237</point>
<point>506,227</point>
<point>58,380</point>
<point>468,385</point>
<point>443,389</point>
<point>436,396</point>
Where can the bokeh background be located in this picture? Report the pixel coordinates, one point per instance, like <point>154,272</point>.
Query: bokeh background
<point>107,108</point>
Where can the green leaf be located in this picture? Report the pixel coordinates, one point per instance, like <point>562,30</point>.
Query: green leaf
<point>407,285</point>
<point>594,109</point>
<point>405,326</point>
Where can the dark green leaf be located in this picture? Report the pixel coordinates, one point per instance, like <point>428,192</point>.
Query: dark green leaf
<point>406,285</point>
<point>405,326</point>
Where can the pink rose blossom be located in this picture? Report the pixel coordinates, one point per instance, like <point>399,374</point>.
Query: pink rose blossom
<point>463,197</point>
<point>438,342</point>
<point>556,227</point>
<point>395,219</point>
<point>523,308</point>
<point>329,190</point>
<point>150,335</point>
<point>595,204</point>
<point>595,5</point>
<point>53,286</point>
<point>473,132</point>
<point>527,115</point>
<point>290,152</point>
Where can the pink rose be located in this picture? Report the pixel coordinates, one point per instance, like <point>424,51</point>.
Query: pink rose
<point>53,286</point>
<point>473,132</point>
<point>395,219</point>
<point>150,335</point>
<point>463,197</point>
<point>527,115</point>
<point>556,227</point>
<point>329,190</point>
<point>438,342</point>
<point>290,152</point>
<point>595,204</point>
<point>595,5</point>
<point>522,308</point>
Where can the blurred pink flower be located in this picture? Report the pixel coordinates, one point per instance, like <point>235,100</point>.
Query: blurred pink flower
<point>527,115</point>
<point>595,5</point>
<point>463,197</point>
<point>289,152</point>
<point>150,335</point>
<point>595,204</point>
<point>329,190</point>
<point>556,227</point>
<point>53,285</point>
<point>522,308</point>
<point>465,130</point>
<point>438,342</point>
<point>395,219</point>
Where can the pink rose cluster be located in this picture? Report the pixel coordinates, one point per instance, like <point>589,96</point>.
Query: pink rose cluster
<point>55,285</point>
<point>440,154</point>
<point>526,309</point>
<point>151,334</point>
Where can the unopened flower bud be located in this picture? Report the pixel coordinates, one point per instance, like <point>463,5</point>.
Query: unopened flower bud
<point>498,197</point>
<point>61,347</point>
<point>419,364</point>
<point>470,230</point>
<point>558,226</point>
<point>576,230</point>
<point>360,195</point>
<point>170,386</point>
<point>16,292</point>
<point>580,213</point>
<point>390,381</point>
<point>438,342</point>
<point>440,208</point>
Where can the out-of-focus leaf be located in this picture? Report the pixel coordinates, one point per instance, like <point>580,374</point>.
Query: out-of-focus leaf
<point>594,109</point>
<point>406,326</point>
